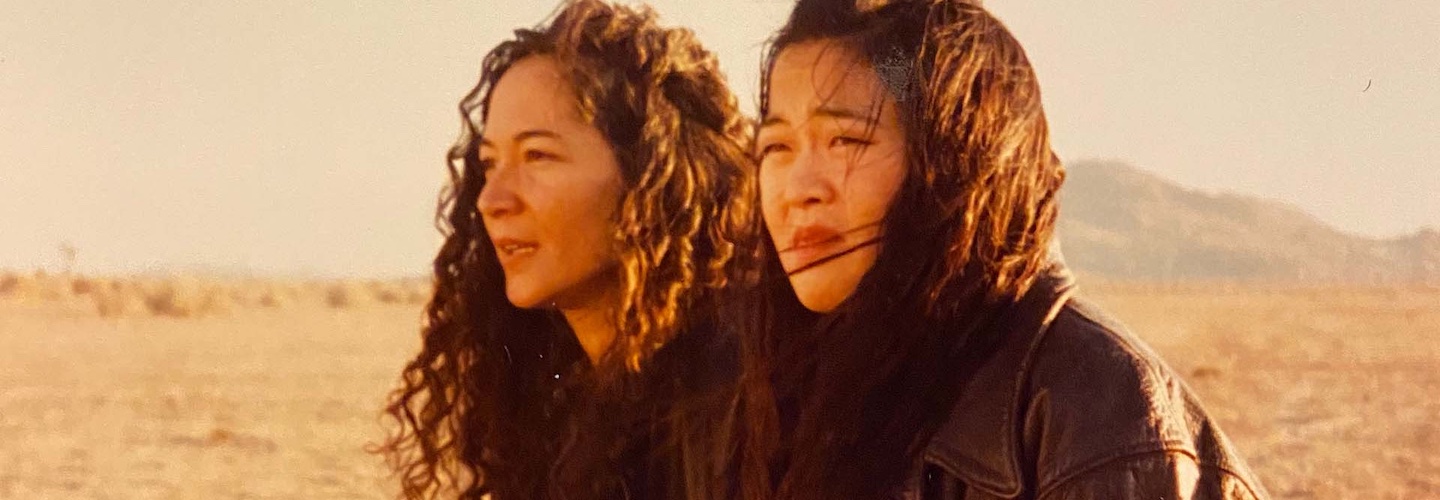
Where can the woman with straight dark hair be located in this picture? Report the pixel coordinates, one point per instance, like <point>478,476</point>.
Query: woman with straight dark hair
<point>915,333</point>
<point>588,236</point>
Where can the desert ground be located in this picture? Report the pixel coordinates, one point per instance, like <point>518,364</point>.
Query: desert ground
<point>182,388</point>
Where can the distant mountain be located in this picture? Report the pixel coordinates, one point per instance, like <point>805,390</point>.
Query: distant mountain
<point>1120,222</point>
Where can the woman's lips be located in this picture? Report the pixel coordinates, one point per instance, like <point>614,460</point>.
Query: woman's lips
<point>512,249</point>
<point>811,243</point>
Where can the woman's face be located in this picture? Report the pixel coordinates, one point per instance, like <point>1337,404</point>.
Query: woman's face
<point>552,185</point>
<point>832,159</point>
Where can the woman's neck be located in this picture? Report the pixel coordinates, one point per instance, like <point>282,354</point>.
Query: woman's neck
<point>594,327</point>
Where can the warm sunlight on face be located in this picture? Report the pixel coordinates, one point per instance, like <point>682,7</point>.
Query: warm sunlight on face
<point>832,160</point>
<point>552,185</point>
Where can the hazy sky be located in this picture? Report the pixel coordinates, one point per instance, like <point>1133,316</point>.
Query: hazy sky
<point>291,137</point>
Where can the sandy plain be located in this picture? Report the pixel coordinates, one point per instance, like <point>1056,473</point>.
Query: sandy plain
<point>1329,392</point>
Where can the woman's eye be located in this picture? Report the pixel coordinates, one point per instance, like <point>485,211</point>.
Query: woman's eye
<point>538,155</point>
<point>843,141</point>
<point>486,165</point>
<point>773,148</point>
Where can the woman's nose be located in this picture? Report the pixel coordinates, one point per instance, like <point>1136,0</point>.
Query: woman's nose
<point>811,180</point>
<point>498,197</point>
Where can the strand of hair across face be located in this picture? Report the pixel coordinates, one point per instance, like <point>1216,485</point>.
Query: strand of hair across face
<point>852,249</point>
<point>833,256</point>
<point>855,229</point>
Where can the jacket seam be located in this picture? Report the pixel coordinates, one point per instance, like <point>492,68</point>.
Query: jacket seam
<point>1022,388</point>
<point>947,462</point>
<point>1042,492</point>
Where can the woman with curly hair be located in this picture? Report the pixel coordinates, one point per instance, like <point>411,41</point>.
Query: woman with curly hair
<point>915,333</point>
<point>588,235</point>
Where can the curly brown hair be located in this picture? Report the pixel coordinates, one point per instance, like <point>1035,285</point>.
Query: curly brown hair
<point>481,407</point>
<point>841,405</point>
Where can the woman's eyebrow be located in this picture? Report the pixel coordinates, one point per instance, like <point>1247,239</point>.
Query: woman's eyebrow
<point>530,134</point>
<point>527,134</point>
<point>826,111</point>
<point>830,111</point>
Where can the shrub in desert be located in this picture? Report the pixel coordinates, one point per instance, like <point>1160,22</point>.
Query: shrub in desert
<point>35,287</point>
<point>277,295</point>
<point>396,292</point>
<point>402,291</point>
<point>118,299</point>
<point>347,294</point>
<point>255,293</point>
<point>387,293</point>
<point>242,296</point>
<point>81,285</point>
<point>8,281</point>
<point>186,298</point>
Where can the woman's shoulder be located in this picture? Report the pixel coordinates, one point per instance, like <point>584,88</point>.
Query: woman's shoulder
<point>1086,396</point>
<point>1098,394</point>
<point>1087,361</point>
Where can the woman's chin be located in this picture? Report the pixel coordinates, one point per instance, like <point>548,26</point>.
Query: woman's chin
<point>819,302</point>
<point>524,298</point>
<point>824,287</point>
<point>822,292</point>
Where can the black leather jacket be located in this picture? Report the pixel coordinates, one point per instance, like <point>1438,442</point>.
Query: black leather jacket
<point>1072,406</point>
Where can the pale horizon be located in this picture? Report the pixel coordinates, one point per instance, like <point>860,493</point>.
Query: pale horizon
<point>309,140</point>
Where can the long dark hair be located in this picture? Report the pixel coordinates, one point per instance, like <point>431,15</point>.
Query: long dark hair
<point>489,404</point>
<point>842,405</point>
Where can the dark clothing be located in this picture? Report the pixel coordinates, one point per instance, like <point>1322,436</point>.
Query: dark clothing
<point>1072,406</point>
<point>687,385</point>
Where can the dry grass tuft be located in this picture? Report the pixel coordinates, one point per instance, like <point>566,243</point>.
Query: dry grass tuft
<point>119,299</point>
<point>263,294</point>
<point>8,281</point>
<point>407,292</point>
<point>348,294</point>
<point>187,298</point>
<point>278,296</point>
<point>81,285</point>
<point>387,293</point>
<point>35,287</point>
